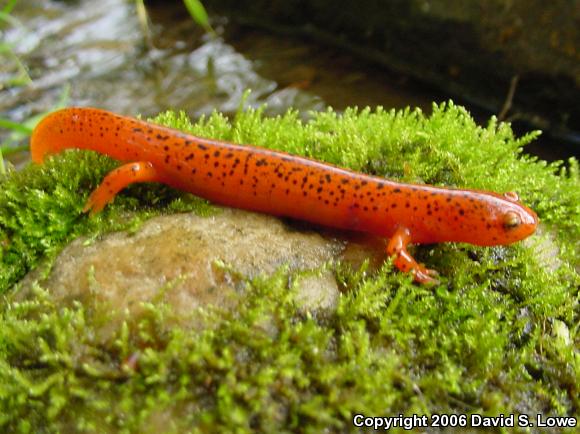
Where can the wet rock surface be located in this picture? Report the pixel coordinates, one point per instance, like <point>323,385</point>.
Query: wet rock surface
<point>472,50</point>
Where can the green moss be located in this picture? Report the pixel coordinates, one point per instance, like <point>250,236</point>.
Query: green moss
<point>500,335</point>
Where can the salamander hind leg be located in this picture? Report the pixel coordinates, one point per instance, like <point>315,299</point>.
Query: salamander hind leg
<point>404,261</point>
<point>118,179</point>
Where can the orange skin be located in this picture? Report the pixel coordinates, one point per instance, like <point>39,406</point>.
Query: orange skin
<point>281,184</point>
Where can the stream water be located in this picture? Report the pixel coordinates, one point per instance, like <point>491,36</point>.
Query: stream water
<point>97,53</point>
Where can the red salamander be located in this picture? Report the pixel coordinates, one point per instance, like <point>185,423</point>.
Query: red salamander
<point>281,184</point>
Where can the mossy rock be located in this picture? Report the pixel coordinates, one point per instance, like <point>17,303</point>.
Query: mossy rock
<point>498,335</point>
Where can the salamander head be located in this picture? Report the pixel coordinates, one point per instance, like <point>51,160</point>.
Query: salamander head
<point>508,221</point>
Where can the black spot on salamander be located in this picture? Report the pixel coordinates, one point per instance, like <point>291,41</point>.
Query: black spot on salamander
<point>247,162</point>
<point>380,186</point>
<point>166,148</point>
<point>397,190</point>
<point>394,205</point>
<point>461,212</point>
<point>209,174</point>
<point>319,190</point>
<point>167,157</point>
<point>407,205</point>
<point>160,137</point>
<point>216,154</point>
<point>261,162</point>
<point>366,208</point>
<point>179,167</point>
<point>327,177</point>
<point>216,164</point>
<point>189,157</point>
<point>188,142</point>
<point>287,191</point>
<point>229,155</point>
<point>193,171</point>
<point>202,147</point>
<point>344,181</point>
<point>137,130</point>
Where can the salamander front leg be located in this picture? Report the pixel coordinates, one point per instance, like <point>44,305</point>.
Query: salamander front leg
<point>118,179</point>
<point>404,261</point>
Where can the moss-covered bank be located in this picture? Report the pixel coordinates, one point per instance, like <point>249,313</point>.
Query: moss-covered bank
<point>499,335</point>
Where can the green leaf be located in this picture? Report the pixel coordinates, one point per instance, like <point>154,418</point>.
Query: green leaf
<point>15,126</point>
<point>199,15</point>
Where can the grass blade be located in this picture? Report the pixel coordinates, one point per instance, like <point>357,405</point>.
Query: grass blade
<point>15,126</point>
<point>199,15</point>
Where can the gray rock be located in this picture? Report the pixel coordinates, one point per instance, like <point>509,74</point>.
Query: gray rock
<point>188,262</point>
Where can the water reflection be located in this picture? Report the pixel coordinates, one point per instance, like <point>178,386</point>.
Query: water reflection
<point>99,49</point>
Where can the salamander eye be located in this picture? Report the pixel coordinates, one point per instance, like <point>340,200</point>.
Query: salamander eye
<point>511,220</point>
<point>511,195</point>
